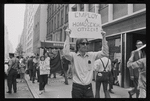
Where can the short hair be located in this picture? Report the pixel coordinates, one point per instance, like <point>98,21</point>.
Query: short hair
<point>138,41</point>
<point>78,43</point>
<point>42,57</point>
<point>11,54</point>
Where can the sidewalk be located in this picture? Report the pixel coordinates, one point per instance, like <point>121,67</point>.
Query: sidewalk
<point>57,89</point>
<point>22,90</point>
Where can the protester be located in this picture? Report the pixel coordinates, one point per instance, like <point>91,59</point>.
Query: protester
<point>65,64</point>
<point>35,66</point>
<point>116,72</point>
<point>22,69</point>
<point>103,66</point>
<point>111,79</point>
<point>83,65</point>
<point>134,73</point>
<point>12,73</point>
<point>44,71</point>
<point>30,68</point>
<point>141,65</point>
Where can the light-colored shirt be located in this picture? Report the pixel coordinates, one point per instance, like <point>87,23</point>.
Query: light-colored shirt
<point>44,66</point>
<point>84,66</point>
<point>99,66</point>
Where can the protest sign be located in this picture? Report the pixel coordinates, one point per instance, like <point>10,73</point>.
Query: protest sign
<point>85,25</point>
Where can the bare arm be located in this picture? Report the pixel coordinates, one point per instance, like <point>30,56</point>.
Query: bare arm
<point>66,49</point>
<point>105,49</point>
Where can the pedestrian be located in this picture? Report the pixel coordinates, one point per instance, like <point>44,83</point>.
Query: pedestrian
<point>65,64</point>
<point>116,72</point>
<point>47,60</point>
<point>22,69</point>
<point>134,73</point>
<point>111,79</point>
<point>103,67</point>
<point>30,68</point>
<point>83,63</point>
<point>44,71</point>
<point>12,73</point>
<point>141,65</point>
<point>35,65</point>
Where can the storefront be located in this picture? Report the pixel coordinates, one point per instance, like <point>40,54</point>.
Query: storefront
<point>49,45</point>
<point>122,36</point>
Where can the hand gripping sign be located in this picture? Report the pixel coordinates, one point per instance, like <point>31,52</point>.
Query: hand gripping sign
<point>85,25</point>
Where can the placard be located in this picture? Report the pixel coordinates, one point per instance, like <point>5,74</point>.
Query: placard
<point>85,25</point>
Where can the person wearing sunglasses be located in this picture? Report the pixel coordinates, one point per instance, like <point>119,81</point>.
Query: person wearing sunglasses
<point>83,64</point>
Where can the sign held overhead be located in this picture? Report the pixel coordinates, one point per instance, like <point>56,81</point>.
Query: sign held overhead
<point>85,25</point>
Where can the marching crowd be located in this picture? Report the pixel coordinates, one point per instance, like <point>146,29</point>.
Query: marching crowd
<point>79,65</point>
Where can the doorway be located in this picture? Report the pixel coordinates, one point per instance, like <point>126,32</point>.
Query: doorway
<point>131,39</point>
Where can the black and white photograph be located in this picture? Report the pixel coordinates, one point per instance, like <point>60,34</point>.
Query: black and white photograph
<point>75,50</point>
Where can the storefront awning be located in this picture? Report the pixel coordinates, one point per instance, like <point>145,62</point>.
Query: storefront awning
<point>54,44</point>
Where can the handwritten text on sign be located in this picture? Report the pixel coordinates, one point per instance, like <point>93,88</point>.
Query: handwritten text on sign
<point>85,25</point>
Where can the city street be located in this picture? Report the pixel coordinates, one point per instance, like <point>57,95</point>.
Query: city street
<point>57,89</point>
<point>23,91</point>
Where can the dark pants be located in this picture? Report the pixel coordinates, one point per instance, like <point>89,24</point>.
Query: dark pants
<point>82,91</point>
<point>32,73</point>
<point>43,81</point>
<point>135,90</point>
<point>38,74</point>
<point>111,80</point>
<point>53,74</point>
<point>98,85</point>
<point>11,80</point>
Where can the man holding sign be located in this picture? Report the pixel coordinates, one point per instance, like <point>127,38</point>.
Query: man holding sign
<point>83,63</point>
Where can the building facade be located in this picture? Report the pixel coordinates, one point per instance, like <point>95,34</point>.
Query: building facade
<point>124,24</point>
<point>7,44</point>
<point>40,28</point>
<point>57,21</point>
<point>28,28</point>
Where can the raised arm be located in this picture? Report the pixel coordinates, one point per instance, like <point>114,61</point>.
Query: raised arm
<point>105,50</point>
<point>66,49</point>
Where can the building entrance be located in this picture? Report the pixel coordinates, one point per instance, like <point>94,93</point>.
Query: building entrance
<point>131,39</point>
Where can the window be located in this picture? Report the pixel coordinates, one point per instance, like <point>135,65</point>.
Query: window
<point>66,13</point>
<point>74,8</point>
<point>62,16</point>
<point>81,7</point>
<point>52,25</point>
<point>58,21</point>
<point>55,24</point>
<point>91,8</point>
<point>102,6</point>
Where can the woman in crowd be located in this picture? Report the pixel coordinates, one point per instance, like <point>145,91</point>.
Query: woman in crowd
<point>44,66</point>
<point>22,69</point>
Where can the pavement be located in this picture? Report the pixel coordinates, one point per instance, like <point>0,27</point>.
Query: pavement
<point>57,89</point>
<point>23,90</point>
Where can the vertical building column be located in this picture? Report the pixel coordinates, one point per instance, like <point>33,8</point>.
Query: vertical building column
<point>110,12</point>
<point>86,7</point>
<point>96,8</point>
<point>130,9</point>
<point>78,7</point>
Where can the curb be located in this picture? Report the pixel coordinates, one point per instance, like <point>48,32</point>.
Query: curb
<point>34,93</point>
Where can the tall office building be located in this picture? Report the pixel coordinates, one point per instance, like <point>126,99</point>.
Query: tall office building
<point>40,28</point>
<point>28,27</point>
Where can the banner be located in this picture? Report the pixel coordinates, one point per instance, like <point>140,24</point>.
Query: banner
<point>55,64</point>
<point>85,25</point>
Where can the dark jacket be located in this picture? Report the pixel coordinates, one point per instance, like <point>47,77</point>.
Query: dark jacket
<point>30,63</point>
<point>134,72</point>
